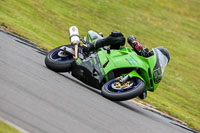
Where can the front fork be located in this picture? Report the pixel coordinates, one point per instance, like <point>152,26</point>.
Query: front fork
<point>132,74</point>
<point>76,51</point>
<point>123,79</point>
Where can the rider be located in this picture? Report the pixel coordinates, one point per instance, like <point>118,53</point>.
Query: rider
<point>116,39</point>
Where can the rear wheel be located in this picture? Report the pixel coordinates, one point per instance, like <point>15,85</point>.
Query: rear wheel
<point>115,91</point>
<point>56,63</point>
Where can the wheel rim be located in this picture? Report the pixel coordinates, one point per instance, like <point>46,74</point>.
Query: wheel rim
<point>110,86</point>
<point>54,56</point>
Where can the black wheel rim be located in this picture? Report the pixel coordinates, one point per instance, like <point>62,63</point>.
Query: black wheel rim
<point>54,56</point>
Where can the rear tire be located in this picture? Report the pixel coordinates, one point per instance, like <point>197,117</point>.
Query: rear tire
<point>132,92</point>
<point>56,63</point>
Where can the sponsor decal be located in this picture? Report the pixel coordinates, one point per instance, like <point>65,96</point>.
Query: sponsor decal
<point>78,61</point>
<point>157,74</point>
<point>128,61</point>
<point>132,61</point>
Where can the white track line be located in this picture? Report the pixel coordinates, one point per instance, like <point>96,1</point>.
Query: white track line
<point>13,125</point>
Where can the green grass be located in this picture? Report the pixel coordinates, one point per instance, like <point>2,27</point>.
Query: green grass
<point>4,128</point>
<point>173,24</point>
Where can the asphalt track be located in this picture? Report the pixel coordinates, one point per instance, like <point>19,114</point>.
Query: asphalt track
<point>42,101</point>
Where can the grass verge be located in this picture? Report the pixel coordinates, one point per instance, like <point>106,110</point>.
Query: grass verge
<point>4,128</point>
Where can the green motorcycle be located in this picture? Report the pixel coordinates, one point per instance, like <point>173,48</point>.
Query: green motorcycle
<point>121,74</point>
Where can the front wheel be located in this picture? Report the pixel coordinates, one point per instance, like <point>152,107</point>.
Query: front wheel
<point>114,91</point>
<point>56,63</point>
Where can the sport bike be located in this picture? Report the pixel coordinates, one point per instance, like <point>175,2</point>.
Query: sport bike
<point>121,74</point>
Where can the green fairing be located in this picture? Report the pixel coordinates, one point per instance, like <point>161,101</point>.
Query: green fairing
<point>135,74</point>
<point>90,40</point>
<point>127,58</point>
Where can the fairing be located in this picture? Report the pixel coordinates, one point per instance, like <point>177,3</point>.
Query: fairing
<point>161,63</point>
<point>92,36</point>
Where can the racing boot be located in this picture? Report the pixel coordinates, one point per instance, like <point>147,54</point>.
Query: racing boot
<point>132,40</point>
<point>138,47</point>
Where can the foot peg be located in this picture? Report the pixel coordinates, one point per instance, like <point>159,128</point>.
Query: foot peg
<point>143,95</point>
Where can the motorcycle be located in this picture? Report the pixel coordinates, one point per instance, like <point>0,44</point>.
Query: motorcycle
<point>121,74</point>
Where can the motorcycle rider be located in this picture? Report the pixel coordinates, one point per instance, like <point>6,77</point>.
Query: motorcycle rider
<point>116,39</point>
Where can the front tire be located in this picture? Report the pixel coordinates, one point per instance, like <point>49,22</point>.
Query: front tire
<point>135,88</point>
<point>56,63</point>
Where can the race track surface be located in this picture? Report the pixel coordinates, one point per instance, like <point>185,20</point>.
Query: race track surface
<point>42,101</point>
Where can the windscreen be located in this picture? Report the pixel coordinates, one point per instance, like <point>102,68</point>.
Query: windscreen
<point>161,63</point>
